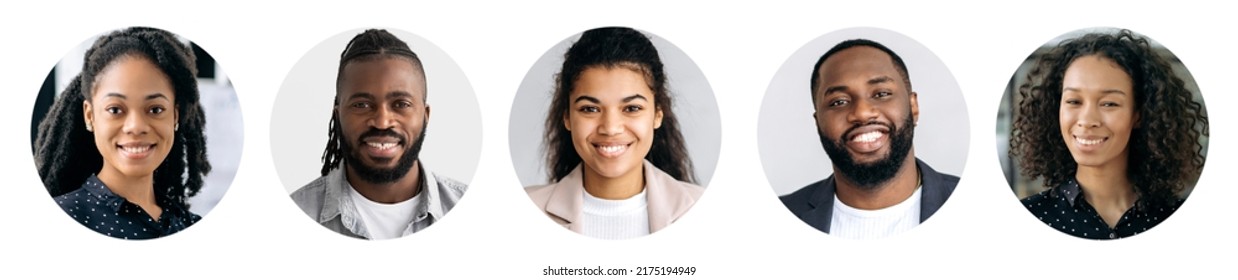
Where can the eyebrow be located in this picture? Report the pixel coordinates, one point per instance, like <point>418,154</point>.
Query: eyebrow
<point>873,81</point>
<point>1105,91</point>
<point>156,95</point>
<point>595,100</point>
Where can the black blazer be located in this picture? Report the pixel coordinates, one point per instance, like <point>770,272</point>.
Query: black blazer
<point>814,204</point>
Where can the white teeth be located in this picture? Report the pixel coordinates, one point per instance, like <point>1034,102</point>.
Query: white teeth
<point>867,137</point>
<point>382,146</point>
<point>135,150</point>
<point>612,149</point>
<point>1088,142</point>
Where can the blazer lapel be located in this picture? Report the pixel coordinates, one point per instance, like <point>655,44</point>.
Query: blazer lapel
<point>821,203</point>
<point>567,200</point>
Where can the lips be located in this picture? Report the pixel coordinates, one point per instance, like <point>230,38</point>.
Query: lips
<point>381,147</point>
<point>136,150</point>
<point>1089,143</point>
<point>867,139</point>
<point>611,150</point>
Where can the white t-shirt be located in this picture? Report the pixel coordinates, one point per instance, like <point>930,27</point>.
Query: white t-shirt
<point>615,219</point>
<point>848,222</point>
<point>384,221</point>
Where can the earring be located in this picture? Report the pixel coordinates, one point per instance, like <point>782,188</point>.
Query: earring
<point>177,127</point>
<point>89,127</point>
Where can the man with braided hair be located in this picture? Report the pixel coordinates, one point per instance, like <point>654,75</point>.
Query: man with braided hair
<point>373,184</point>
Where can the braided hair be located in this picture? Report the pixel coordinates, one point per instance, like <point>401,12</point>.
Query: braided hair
<point>64,150</point>
<point>373,44</point>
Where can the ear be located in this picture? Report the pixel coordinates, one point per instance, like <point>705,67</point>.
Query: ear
<point>1135,119</point>
<point>89,118</point>
<point>915,108</point>
<point>657,118</point>
<point>567,122</point>
<point>427,113</point>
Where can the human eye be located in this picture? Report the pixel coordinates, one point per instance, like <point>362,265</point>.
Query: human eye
<point>1072,101</point>
<point>157,110</point>
<point>402,104</point>
<point>882,93</point>
<point>360,105</point>
<point>633,108</point>
<point>1109,104</point>
<point>588,109</point>
<point>839,102</point>
<point>115,110</point>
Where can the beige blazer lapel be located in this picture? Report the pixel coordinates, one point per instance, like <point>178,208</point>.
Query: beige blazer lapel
<point>667,198</point>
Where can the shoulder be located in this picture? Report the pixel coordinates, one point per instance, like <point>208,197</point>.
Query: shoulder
<point>1040,204</point>
<point>71,202</point>
<point>541,194</point>
<point>685,190</point>
<point>310,196</point>
<point>934,179</point>
<point>799,199</point>
<point>449,189</point>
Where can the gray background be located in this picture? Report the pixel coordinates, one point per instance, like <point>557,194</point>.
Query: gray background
<point>694,105</point>
<point>303,107</point>
<point>790,148</point>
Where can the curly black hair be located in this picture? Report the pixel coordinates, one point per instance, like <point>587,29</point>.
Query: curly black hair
<point>368,45</point>
<point>65,152</point>
<point>1165,150</point>
<point>611,47</point>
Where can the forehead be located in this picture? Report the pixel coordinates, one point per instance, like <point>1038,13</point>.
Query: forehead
<point>615,80</point>
<point>381,75</point>
<point>1095,72</point>
<point>132,72</point>
<point>861,62</point>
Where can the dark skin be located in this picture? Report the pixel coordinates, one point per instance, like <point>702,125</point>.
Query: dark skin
<point>385,93</point>
<point>858,86</point>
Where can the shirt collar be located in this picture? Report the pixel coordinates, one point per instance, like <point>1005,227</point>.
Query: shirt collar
<point>100,192</point>
<point>338,201</point>
<point>1074,193</point>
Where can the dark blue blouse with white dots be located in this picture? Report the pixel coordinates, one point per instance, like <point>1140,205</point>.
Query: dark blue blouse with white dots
<point>96,207</point>
<point>1064,209</point>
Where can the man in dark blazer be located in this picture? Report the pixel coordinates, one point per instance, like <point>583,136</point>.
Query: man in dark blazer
<point>866,113</point>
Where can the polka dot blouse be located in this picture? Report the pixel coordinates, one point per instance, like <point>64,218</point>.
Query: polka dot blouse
<point>1064,209</point>
<point>96,207</point>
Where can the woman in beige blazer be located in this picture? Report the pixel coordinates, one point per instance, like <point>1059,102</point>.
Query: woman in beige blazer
<point>613,145</point>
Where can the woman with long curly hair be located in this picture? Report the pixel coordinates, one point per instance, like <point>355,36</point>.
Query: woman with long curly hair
<point>122,148</point>
<point>617,159</point>
<point>1113,132</point>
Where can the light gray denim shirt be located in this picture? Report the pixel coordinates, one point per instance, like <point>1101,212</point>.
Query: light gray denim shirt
<point>327,201</point>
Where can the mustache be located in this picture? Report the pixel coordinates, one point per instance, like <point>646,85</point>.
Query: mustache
<point>380,133</point>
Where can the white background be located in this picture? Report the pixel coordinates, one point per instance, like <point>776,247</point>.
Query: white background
<point>738,230</point>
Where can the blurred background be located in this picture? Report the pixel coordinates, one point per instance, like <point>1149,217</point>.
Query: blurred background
<point>224,127</point>
<point>1023,186</point>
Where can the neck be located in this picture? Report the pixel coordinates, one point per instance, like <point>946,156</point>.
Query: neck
<point>401,190</point>
<point>138,190</point>
<point>893,191</point>
<point>1106,186</point>
<point>622,187</point>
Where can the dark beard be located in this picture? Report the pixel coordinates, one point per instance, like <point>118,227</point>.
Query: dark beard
<point>375,175</point>
<point>869,176</point>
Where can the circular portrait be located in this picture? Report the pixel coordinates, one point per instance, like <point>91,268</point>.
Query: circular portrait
<point>1102,133</point>
<point>349,125</point>
<point>120,130</point>
<point>614,133</point>
<point>840,126</point>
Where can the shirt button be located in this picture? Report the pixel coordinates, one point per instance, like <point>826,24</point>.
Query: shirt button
<point>1111,235</point>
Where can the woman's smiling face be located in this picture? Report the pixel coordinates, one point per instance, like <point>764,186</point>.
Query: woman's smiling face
<point>132,115</point>
<point>1097,112</point>
<point>612,117</point>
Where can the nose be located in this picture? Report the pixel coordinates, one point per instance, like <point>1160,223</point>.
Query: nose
<point>862,111</point>
<point>1087,117</point>
<point>611,123</point>
<point>136,124</point>
<point>383,118</point>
